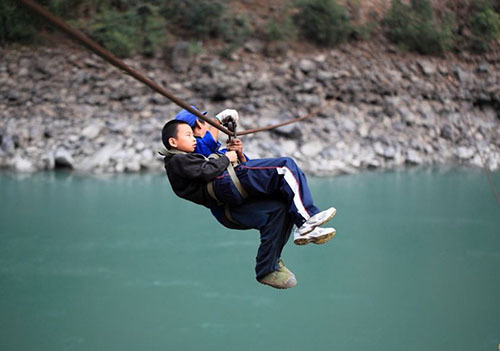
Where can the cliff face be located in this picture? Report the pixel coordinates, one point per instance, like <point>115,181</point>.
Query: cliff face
<point>379,108</point>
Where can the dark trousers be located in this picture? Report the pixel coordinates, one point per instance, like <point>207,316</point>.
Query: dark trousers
<point>274,223</point>
<point>279,178</point>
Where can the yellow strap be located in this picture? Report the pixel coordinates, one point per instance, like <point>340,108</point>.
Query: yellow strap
<point>211,192</point>
<point>234,178</point>
<point>227,212</point>
<point>228,215</point>
<point>237,184</point>
<point>236,181</point>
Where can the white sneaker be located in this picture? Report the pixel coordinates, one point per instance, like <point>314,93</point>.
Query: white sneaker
<point>317,236</point>
<point>315,221</point>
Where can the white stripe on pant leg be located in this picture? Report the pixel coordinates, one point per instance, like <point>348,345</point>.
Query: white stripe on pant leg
<point>294,185</point>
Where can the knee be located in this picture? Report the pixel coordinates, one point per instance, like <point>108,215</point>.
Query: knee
<point>288,161</point>
<point>291,164</point>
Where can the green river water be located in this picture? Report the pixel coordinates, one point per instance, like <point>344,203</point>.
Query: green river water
<point>120,263</point>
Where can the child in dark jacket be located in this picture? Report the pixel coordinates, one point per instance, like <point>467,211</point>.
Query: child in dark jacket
<point>213,181</point>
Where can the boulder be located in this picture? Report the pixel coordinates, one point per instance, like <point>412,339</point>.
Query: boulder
<point>63,159</point>
<point>253,46</point>
<point>426,67</point>
<point>413,157</point>
<point>7,143</point>
<point>363,130</point>
<point>48,161</point>
<point>287,146</point>
<point>23,165</point>
<point>179,56</point>
<point>324,76</point>
<point>291,131</point>
<point>260,83</point>
<point>448,132</point>
<point>101,158</point>
<point>483,67</point>
<point>463,76</point>
<point>213,67</point>
<point>133,166</point>
<point>307,66</point>
<point>309,100</point>
<point>13,95</point>
<point>378,148</point>
<point>120,167</point>
<point>146,158</point>
<point>348,124</point>
<point>312,148</point>
<point>465,153</point>
<point>139,146</point>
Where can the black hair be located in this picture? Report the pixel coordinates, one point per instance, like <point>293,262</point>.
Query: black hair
<point>170,131</point>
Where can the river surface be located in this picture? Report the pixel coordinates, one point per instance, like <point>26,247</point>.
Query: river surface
<point>120,263</point>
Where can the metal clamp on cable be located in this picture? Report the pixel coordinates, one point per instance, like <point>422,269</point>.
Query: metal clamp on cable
<point>231,125</point>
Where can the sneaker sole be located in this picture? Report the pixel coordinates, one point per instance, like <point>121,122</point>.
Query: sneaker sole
<point>280,287</point>
<point>318,240</point>
<point>326,220</point>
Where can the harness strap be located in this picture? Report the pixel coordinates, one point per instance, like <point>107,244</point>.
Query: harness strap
<point>227,212</point>
<point>211,192</point>
<point>237,184</point>
<point>236,181</point>
<point>234,178</point>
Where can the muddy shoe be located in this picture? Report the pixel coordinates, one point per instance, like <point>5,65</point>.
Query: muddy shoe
<point>317,236</point>
<point>279,280</point>
<point>315,221</point>
<point>283,268</point>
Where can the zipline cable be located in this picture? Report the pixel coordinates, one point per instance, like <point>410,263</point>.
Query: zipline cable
<point>115,61</point>
<point>290,121</point>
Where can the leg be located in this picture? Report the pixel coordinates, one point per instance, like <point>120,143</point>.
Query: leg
<point>271,218</point>
<point>282,177</point>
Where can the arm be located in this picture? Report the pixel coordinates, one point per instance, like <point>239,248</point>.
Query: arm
<point>214,131</point>
<point>206,145</point>
<point>237,146</point>
<point>195,167</point>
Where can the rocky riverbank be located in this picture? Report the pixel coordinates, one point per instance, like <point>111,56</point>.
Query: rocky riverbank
<point>63,107</point>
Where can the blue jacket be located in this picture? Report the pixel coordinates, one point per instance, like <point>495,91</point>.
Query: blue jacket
<point>208,145</point>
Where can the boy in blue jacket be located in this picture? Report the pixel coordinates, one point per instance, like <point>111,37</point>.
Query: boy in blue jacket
<point>268,194</point>
<point>207,136</point>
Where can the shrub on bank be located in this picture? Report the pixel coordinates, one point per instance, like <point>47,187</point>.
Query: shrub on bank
<point>236,31</point>
<point>126,28</point>
<point>414,27</point>
<point>196,17</point>
<point>138,30</point>
<point>279,30</point>
<point>67,8</point>
<point>325,22</point>
<point>485,27</point>
<point>207,19</point>
<point>16,24</point>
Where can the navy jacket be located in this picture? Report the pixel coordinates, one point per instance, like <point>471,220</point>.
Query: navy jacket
<point>189,174</point>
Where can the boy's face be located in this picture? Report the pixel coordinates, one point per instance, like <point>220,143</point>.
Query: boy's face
<point>200,128</point>
<point>185,140</point>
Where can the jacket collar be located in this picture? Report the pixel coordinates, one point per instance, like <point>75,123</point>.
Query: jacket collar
<point>169,153</point>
